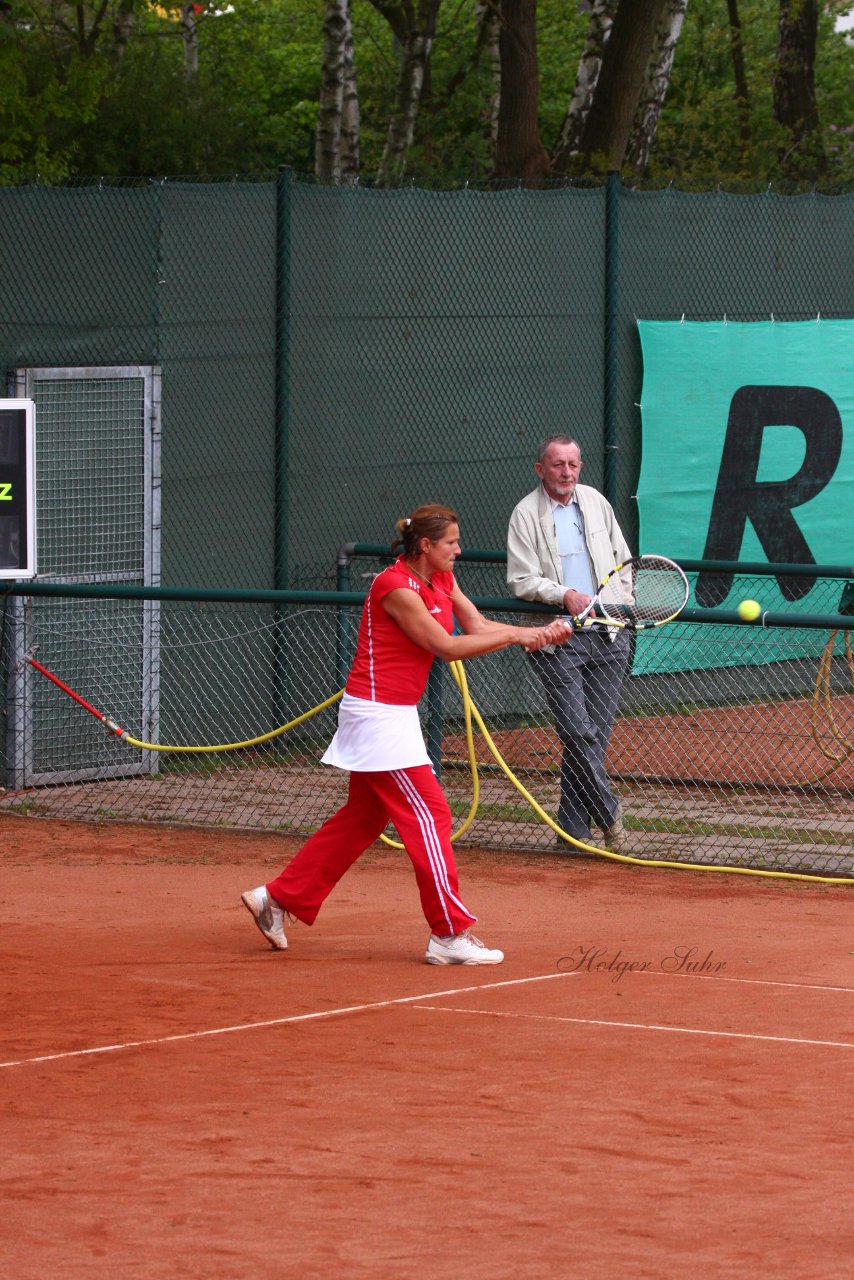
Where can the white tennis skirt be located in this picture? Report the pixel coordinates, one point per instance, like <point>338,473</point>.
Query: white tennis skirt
<point>376,737</point>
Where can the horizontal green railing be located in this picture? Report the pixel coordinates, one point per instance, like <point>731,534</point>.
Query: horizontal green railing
<point>495,604</point>
<point>758,568</point>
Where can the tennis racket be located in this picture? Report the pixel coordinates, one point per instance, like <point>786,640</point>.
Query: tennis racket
<point>646,591</point>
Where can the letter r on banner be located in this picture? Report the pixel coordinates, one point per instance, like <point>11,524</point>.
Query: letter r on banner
<point>768,504</point>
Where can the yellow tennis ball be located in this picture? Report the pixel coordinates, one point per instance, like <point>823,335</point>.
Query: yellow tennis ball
<point>749,610</point>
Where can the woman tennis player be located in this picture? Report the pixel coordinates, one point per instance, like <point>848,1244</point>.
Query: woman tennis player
<point>407,621</point>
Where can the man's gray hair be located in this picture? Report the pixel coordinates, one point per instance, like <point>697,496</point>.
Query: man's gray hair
<point>543,447</point>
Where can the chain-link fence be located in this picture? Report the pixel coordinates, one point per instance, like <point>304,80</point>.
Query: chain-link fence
<point>234,379</point>
<point>733,744</point>
<point>329,356</point>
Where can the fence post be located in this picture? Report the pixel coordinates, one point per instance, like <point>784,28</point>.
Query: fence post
<point>280,429</point>
<point>159,280</point>
<point>435,725</point>
<point>342,583</point>
<point>282,370</point>
<point>612,247</point>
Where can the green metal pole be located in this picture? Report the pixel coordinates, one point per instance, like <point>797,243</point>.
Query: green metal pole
<point>282,376</point>
<point>612,242</point>
<point>159,281</point>
<point>342,657</point>
<point>281,425</point>
<point>495,604</point>
<point>435,726</point>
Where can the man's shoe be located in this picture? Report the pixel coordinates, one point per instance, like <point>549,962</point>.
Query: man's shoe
<point>460,948</point>
<point>562,845</point>
<point>615,836</point>
<point>267,914</point>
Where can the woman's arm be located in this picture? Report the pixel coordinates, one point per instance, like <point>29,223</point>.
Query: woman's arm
<point>422,629</point>
<point>473,622</point>
<point>469,617</point>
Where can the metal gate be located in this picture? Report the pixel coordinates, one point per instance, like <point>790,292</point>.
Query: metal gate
<point>97,520</point>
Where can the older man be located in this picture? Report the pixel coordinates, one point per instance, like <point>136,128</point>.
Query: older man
<point>562,540</point>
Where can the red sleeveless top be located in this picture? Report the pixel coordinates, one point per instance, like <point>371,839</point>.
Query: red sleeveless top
<point>388,666</point>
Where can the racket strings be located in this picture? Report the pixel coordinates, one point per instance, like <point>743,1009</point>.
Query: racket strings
<point>650,590</point>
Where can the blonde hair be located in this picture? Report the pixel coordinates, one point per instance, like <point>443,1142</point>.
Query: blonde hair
<point>427,521</point>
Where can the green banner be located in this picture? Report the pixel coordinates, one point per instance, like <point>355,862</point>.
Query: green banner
<point>748,449</point>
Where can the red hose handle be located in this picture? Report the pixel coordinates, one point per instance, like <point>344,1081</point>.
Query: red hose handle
<point>108,724</point>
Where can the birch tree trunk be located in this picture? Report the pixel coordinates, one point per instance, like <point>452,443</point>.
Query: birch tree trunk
<point>488,17</point>
<point>414,26</point>
<point>350,118</point>
<point>190,39</point>
<point>598,29</point>
<point>519,153</point>
<point>337,146</point>
<point>655,84</point>
<point>795,106</point>
<point>122,24</point>
<point>605,138</point>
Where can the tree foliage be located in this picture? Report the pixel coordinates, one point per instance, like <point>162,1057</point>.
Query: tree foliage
<point>710,129</point>
<point>106,87</point>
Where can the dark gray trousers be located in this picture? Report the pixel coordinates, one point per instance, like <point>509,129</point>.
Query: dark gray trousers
<point>582,681</point>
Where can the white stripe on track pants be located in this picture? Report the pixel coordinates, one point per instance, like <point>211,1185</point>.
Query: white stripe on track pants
<point>414,801</point>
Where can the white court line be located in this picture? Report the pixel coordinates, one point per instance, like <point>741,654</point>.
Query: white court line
<point>748,982</point>
<point>279,1022</point>
<point>486,986</point>
<point>641,1026</point>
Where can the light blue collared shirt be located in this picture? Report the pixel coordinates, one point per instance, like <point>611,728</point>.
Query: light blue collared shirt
<point>576,569</point>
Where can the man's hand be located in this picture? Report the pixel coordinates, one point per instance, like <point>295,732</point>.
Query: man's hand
<point>575,602</point>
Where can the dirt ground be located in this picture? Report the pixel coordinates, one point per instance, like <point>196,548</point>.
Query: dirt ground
<point>655,1083</point>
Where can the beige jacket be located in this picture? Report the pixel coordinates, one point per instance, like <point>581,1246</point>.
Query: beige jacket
<point>533,556</point>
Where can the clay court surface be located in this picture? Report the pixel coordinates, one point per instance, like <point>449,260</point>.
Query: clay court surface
<point>178,1100</point>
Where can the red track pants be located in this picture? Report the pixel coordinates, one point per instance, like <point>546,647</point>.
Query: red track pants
<point>414,801</point>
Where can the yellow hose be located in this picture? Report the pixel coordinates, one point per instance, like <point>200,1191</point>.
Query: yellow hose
<point>622,857</point>
<point>235,746</point>
<point>823,687</point>
<point>471,712</point>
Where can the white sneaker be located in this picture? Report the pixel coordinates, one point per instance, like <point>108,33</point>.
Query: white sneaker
<point>267,914</point>
<point>460,948</point>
